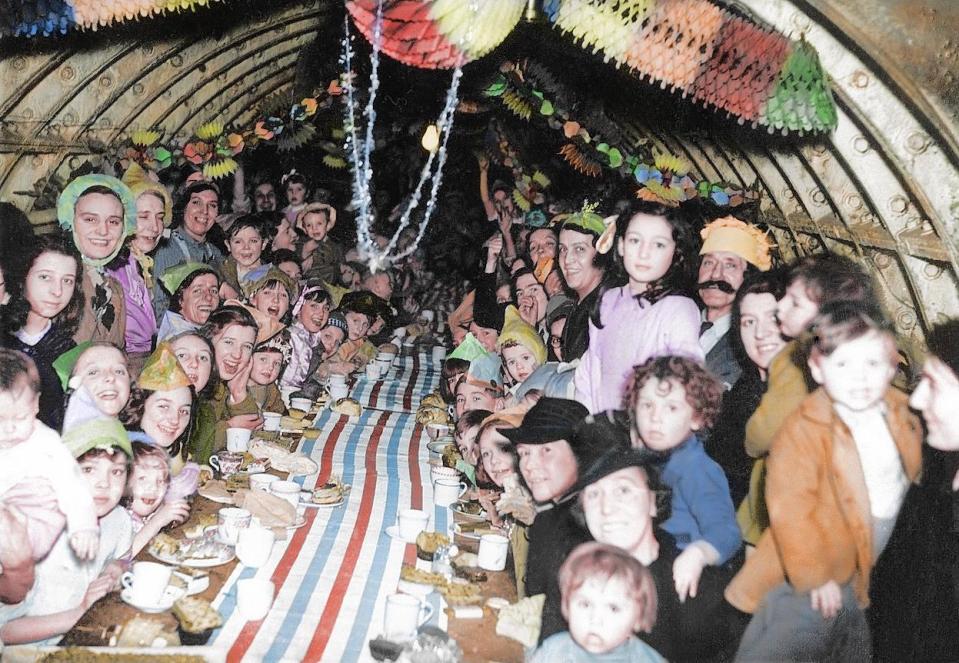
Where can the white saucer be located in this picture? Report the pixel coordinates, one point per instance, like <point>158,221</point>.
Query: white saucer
<point>169,597</point>
<point>418,589</point>
<point>300,522</point>
<point>394,532</point>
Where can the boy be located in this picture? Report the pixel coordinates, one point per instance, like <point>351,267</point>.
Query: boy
<point>269,358</point>
<point>32,454</point>
<point>320,254</point>
<point>837,473</point>
<point>608,596</point>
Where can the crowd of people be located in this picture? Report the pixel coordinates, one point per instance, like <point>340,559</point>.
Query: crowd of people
<point>700,452</point>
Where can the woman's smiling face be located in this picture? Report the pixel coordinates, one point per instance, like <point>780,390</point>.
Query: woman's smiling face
<point>166,415</point>
<point>232,348</point>
<point>103,371</point>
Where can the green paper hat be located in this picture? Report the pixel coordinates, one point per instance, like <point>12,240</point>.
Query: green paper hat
<point>587,219</point>
<point>65,363</point>
<point>67,202</point>
<point>174,277</point>
<point>486,371</point>
<point>100,433</point>
<point>469,349</point>
<point>162,371</point>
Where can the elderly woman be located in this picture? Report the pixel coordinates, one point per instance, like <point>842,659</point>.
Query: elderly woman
<point>100,212</point>
<point>194,294</point>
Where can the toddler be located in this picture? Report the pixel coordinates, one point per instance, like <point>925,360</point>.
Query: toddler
<point>269,358</point>
<point>297,191</point>
<point>837,473</point>
<point>320,255</point>
<point>668,401</point>
<point>29,451</point>
<point>608,596</point>
<point>246,240</point>
<point>520,347</point>
<point>148,485</point>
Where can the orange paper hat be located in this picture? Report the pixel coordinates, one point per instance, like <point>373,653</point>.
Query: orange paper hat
<point>162,371</point>
<point>745,240</point>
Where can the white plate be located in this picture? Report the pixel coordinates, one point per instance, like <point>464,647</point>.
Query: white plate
<point>457,508</point>
<point>194,585</point>
<point>169,597</point>
<point>394,532</point>
<point>476,536</point>
<point>226,555</point>
<point>419,589</point>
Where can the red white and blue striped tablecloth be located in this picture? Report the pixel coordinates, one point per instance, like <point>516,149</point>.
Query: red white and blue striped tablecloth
<point>333,574</point>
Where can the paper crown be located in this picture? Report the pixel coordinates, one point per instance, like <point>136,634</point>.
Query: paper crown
<point>280,342</point>
<point>266,326</point>
<point>486,371</point>
<point>745,240</point>
<point>162,371</point>
<point>469,349</point>
<point>174,277</point>
<point>586,218</point>
<point>65,363</point>
<point>518,330</point>
<point>139,182</point>
<point>99,433</point>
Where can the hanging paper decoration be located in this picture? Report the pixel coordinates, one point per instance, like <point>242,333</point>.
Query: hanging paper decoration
<point>530,182</point>
<point>143,148</point>
<point>437,34</point>
<point>710,54</point>
<point>213,150</point>
<point>668,181</point>
<point>43,18</point>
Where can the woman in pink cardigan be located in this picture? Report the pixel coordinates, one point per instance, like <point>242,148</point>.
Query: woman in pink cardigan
<point>651,315</point>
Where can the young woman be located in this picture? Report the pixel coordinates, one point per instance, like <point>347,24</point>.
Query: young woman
<point>311,313</point>
<point>195,354</point>
<point>649,315</point>
<point>43,313</point>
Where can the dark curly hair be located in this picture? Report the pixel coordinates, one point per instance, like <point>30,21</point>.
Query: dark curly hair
<point>15,313</point>
<point>704,391</point>
<point>679,278</point>
<point>772,282</point>
<point>832,277</point>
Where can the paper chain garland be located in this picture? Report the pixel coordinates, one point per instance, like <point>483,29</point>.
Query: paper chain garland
<point>213,148</point>
<point>43,18</point>
<point>706,52</point>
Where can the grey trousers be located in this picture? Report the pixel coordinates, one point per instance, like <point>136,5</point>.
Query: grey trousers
<point>786,628</point>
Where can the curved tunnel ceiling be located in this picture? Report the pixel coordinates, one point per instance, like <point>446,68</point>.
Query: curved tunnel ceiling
<point>884,187</point>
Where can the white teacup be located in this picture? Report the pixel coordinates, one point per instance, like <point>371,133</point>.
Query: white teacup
<point>336,378</point>
<point>254,598</point>
<point>439,353</point>
<point>404,615</point>
<point>443,472</point>
<point>254,545</point>
<point>447,491</point>
<point>338,391</point>
<point>372,371</point>
<point>229,521</point>
<point>147,582</point>
<point>262,481</point>
<point>435,431</point>
<point>492,552</point>
<point>238,439</point>
<point>271,421</point>
<point>411,522</point>
<point>288,490</point>
<point>304,404</point>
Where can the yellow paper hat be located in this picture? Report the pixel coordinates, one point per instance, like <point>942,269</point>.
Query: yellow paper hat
<point>139,182</point>
<point>518,330</point>
<point>266,327</point>
<point>162,371</point>
<point>745,240</point>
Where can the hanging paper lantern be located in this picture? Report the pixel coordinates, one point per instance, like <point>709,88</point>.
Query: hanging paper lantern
<point>438,34</point>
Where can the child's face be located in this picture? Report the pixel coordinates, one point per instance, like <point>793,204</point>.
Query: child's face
<point>664,418</point>
<point>148,486</point>
<point>497,463</point>
<point>348,276</point>
<point>466,443</point>
<point>519,361</point>
<point>103,371</point>
<point>18,414</point>
<point>232,348</point>
<point>548,469</point>
<point>50,284</point>
<point>106,475</point>
<point>796,310</point>
<point>473,397</point>
<point>313,315</point>
<point>285,236</point>
<point>98,225</point>
<point>295,193</point>
<point>358,325</point>
<point>647,250</point>
<point>195,359</point>
<point>331,338</point>
<point>291,269</point>
<point>246,246</point>
<point>266,367</point>
<point>166,415</point>
<point>273,300</point>
<point>602,614</point>
<point>858,372</point>
<point>316,225</point>
<point>619,508</point>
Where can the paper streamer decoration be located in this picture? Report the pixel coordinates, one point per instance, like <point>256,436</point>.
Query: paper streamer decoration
<point>438,34</point>
<point>42,18</point>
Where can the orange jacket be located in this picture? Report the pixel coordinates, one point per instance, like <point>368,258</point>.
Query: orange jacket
<point>820,524</point>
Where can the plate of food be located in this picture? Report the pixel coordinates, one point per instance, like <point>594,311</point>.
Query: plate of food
<point>331,494</point>
<point>475,529</point>
<point>469,510</point>
<point>202,552</point>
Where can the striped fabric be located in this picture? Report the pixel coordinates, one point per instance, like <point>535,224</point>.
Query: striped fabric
<point>334,574</point>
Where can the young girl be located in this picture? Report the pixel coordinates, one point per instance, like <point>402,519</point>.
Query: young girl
<point>100,212</point>
<point>311,313</point>
<point>269,358</point>
<point>245,240</point>
<point>98,376</point>
<point>836,476</point>
<point>297,191</point>
<point>520,347</point>
<point>146,490</point>
<point>270,291</point>
<point>66,587</point>
<point>608,596</point>
<point>43,314</point>
<point>360,314</point>
<point>649,316</point>
<point>195,355</point>
<point>668,400</point>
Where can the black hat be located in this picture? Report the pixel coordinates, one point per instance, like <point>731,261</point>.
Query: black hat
<point>551,419</point>
<point>618,458</point>
<point>486,311</point>
<point>599,433</point>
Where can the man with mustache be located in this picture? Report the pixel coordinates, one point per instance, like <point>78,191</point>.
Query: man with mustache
<point>731,249</point>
